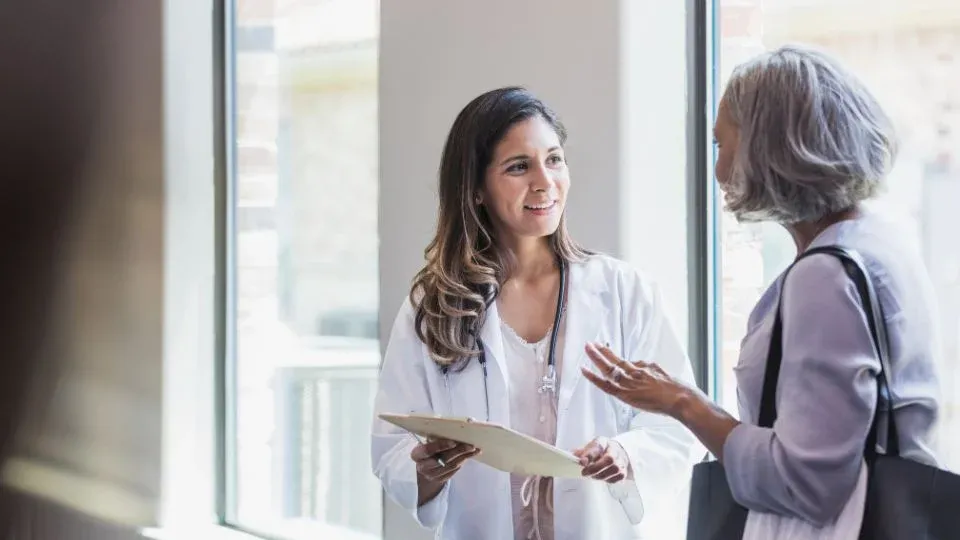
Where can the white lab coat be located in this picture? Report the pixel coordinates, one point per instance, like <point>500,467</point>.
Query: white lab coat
<point>608,302</point>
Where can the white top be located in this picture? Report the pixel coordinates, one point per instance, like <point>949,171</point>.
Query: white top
<point>532,413</point>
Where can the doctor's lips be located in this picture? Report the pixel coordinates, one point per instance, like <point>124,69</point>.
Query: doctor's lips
<point>541,209</point>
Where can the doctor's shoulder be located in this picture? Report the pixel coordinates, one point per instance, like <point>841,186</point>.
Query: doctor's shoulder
<point>631,284</point>
<point>406,338</point>
<point>403,341</point>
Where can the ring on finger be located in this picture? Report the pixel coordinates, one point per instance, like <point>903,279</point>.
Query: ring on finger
<point>616,374</point>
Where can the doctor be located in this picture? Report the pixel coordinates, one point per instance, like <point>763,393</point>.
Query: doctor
<point>495,328</point>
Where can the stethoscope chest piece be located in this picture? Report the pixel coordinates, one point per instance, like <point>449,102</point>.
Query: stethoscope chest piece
<point>548,383</point>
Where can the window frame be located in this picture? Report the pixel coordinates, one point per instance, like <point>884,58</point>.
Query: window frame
<point>225,254</point>
<point>703,245</point>
<point>226,215</point>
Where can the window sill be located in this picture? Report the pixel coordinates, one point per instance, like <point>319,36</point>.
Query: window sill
<point>206,532</point>
<point>309,531</point>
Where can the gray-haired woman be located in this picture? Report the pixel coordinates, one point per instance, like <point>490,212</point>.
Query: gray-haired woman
<point>803,143</point>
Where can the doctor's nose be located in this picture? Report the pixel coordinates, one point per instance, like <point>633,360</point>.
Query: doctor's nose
<point>542,179</point>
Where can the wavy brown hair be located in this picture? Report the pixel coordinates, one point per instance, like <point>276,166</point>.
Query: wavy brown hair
<point>465,267</point>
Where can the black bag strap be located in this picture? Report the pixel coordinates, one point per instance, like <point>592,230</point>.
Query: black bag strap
<point>856,269</point>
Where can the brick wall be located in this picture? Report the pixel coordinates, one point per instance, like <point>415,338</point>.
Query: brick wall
<point>329,211</point>
<point>257,114</point>
<point>311,148</point>
<point>257,12</point>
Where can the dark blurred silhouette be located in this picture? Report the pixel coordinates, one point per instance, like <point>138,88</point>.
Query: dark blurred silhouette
<point>82,233</point>
<point>48,103</point>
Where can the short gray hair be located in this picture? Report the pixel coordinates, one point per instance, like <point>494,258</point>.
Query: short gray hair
<point>813,139</point>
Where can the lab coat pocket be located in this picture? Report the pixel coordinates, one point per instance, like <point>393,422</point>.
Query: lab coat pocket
<point>625,414</point>
<point>567,485</point>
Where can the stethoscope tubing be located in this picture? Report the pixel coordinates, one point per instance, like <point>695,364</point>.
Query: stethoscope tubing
<point>551,355</point>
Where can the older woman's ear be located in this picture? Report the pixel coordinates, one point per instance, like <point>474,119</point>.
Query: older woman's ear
<point>813,139</point>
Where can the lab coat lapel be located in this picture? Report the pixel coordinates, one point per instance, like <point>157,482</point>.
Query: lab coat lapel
<point>498,381</point>
<point>585,315</point>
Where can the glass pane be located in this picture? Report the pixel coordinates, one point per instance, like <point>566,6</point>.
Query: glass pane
<point>908,53</point>
<point>305,250</point>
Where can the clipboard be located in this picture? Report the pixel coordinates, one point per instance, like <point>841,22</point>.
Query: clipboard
<point>501,448</point>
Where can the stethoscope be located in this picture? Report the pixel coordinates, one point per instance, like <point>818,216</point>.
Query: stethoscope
<point>548,383</point>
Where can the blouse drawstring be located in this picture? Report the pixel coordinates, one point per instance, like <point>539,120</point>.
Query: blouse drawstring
<point>530,492</point>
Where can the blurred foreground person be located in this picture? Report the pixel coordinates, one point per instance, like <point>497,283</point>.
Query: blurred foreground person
<point>47,105</point>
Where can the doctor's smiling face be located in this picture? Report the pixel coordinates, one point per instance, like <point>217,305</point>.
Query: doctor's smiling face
<point>525,185</point>
<point>502,187</point>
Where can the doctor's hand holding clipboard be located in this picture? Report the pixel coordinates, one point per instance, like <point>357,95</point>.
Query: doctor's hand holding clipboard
<point>437,461</point>
<point>494,329</point>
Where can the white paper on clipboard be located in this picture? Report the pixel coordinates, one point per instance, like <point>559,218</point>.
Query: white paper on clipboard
<point>501,447</point>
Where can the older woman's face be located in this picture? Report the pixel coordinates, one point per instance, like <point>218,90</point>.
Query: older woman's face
<point>727,138</point>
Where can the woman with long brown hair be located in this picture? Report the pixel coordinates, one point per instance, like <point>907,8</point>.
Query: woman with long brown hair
<point>495,329</point>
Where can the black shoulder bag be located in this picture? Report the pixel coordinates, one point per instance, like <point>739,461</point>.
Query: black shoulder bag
<point>906,500</point>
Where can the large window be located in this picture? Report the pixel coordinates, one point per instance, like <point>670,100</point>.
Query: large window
<point>303,354</point>
<point>909,55</point>
<point>301,242</point>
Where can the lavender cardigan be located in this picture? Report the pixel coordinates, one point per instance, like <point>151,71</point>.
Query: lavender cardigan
<point>806,466</point>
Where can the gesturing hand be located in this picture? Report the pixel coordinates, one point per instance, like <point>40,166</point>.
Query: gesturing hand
<point>439,459</point>
<point>638,384</point>
<point>604,460</point>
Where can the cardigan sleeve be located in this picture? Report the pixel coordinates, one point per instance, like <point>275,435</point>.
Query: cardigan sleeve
<point>806,465</point>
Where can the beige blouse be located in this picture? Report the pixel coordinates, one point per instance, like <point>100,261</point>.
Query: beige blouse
<point>534,414</point>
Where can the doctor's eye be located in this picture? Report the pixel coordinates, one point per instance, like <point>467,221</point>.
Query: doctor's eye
<point>518,167</point>
<point>555,159</point>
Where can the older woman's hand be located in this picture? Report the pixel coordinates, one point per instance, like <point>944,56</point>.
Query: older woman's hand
<point>639,384</point>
